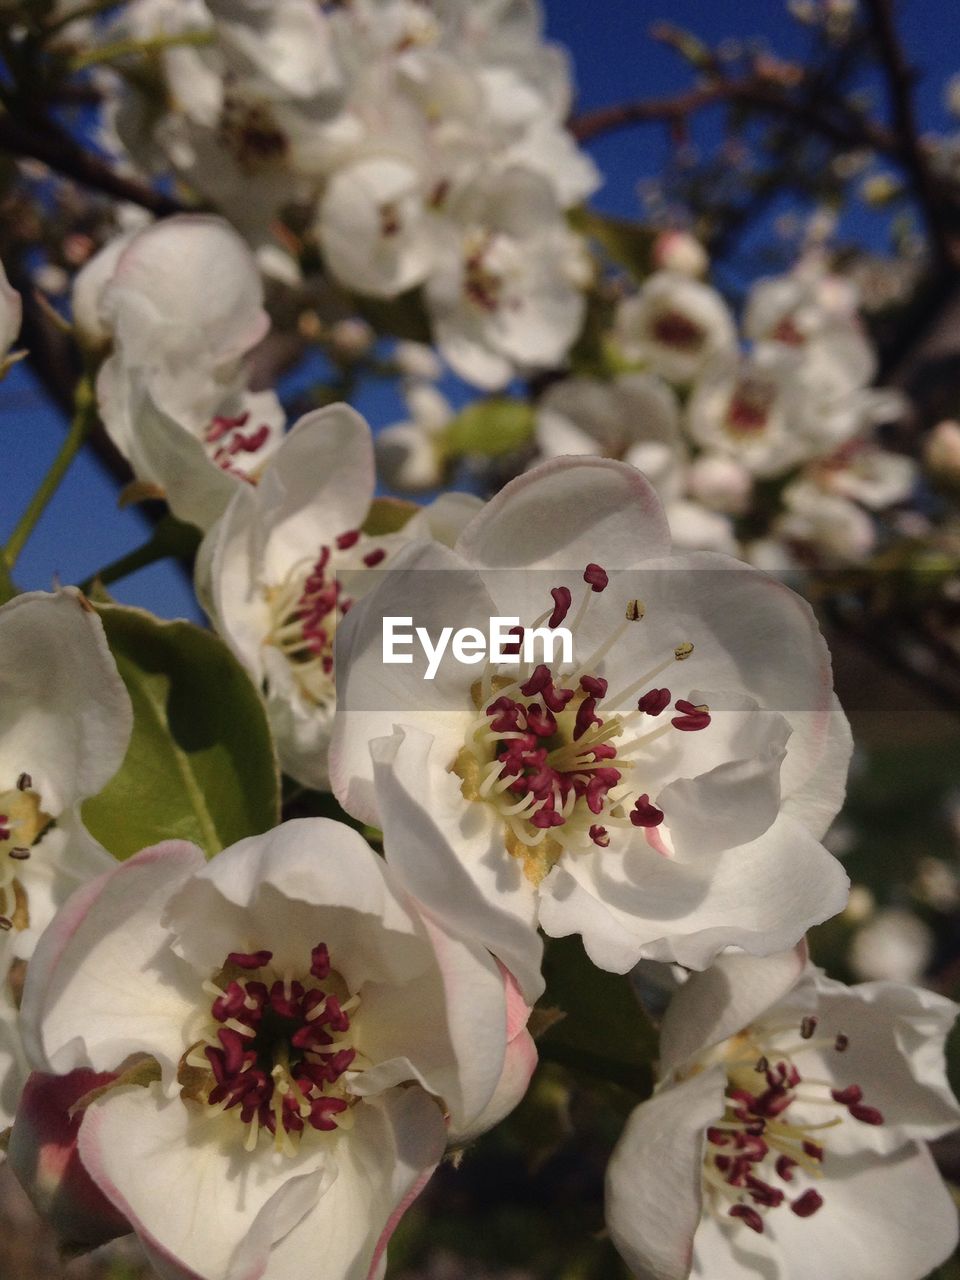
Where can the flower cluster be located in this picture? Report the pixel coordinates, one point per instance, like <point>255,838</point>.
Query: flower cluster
<point>419,144</point>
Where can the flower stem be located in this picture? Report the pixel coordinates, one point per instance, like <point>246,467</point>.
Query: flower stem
<point>127,48</point>
<point>170,538</point>
<point>84,415</point>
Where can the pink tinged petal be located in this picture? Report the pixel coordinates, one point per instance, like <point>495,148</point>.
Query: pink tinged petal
<point>446,1029</point>
<point>72,739</point>
<point>734,992</point>
<point>519,1064</point>
<point>448,855</point>
<point>761,897</point>
<point>43,1154</point>
<point>200,1205</point>
<point>382,1165</point>
<point>889,1219</point>
<point>103,983</point>
<point>308,880</point>
<point>564,513</point>
<point>653,1184</point>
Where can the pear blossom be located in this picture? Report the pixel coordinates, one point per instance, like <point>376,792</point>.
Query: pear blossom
<point>297,1046</point>
<point>181,302</point>
<point>507,288</point>
<point>281,568</point>
<point>635,419</point>
<point>787,1136</point>
<point>65,720</point>
<point>894,945</point>
<point>675,326</point>
<point>824,526</point>
<point>658,815</point>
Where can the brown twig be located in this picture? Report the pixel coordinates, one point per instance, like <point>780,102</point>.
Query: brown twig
<point>53,146</point>
<point>900,81</point>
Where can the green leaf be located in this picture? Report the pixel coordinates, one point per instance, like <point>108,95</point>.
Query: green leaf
<point>388,515</point>
<point>490,427</point>
<point>201,764</point>
<point>605,1032</point>
<point>628,244</point>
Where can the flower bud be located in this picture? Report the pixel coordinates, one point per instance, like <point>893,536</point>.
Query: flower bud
<point>942,450</point>
<point>679,251</point>
<point>43,1154</point>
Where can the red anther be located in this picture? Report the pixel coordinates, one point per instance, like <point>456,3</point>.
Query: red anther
<point>600,836</point>
<point>752,1147</point>
<point>691,717</point>
<point>808,1026</point>
<point>348,539</point>
<point>505,714</point>
<point>311,1036</point>
<point>282,1004</point>
<point>762,1193</point>
<point>785,1167</point>
<point>596,577</point>
<point>598,786</point>
<point>603,751</point>
<point>866,1115</point>
<point>547,818</point>
<point>323,1110</point>
<point>586,716</point>
<point>645,814</point>
<point>320,961</point>
<point>542,676</point>
<point>375,557</point>
<point>334,1016</point>
<point>654,701</point>
<point>562,599</point>
<point>748,1216</point>
<point>249,960</point>
<point>513,648</point>
<point>595,686</point>
<point>231,1004</point>
<point>719,1137</point>
<point>540,722</point>
<point>841,1043</point>
<point>234,1049</point>
<point>807,1204</point>
<point>813,1150</point>
<point>556,699</point>
<point>849,1096</point>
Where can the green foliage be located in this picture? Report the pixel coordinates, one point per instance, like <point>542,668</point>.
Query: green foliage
<point>490,428</point>
<point>388,515</point>
<point>605,1033</point>
<point>201,764</point>
<point>627,244</point>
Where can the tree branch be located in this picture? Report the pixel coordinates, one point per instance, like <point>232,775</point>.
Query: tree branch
<point>54,147</point>
<point>900,80</point>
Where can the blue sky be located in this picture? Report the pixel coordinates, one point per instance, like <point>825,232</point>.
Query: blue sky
<point>614,60</point>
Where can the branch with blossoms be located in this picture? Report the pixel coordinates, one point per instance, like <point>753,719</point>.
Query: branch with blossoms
<point>496,852</point>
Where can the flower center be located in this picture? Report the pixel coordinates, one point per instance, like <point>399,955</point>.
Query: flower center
<point>275,1050</point>
<point>482,284</point>
<point>549,750</point>
<point>250,133</point>
<point>22,823</point>
<point>748,411</point>
<point>674,329</point>
<point>306,609</point>
<point>231,448</point>
<point>755,1152</point>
